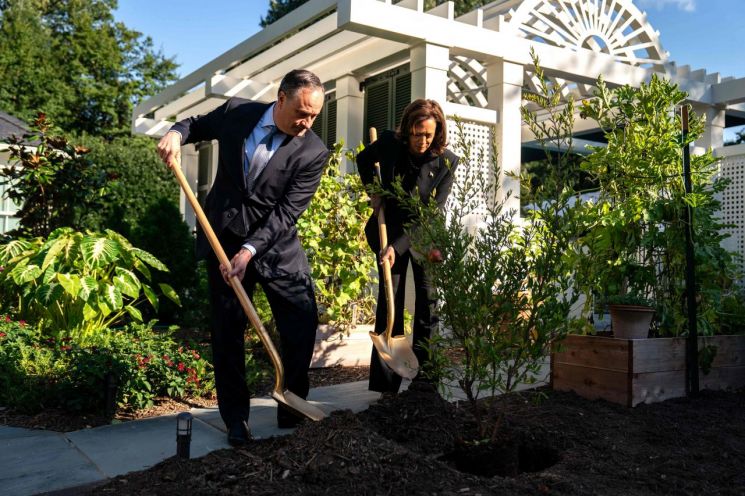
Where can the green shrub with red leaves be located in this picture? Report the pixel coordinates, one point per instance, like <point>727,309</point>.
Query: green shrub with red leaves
<point>136,365</point>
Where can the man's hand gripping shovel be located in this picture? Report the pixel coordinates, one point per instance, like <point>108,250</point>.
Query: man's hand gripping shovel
<point>287,398</point>
<point>396,351</point>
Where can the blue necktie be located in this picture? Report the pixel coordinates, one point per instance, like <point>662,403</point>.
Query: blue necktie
<point>261,156</point>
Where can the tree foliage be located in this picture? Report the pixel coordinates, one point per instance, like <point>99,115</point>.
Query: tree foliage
<point>73,61</point>
<point>278,9</point>
<point>53,180</point>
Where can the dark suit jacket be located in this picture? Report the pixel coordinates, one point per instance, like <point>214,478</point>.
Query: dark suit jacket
<point>435,179</point>
<point>265,218</point>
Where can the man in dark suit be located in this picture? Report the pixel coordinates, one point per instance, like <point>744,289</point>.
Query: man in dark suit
<point>270,164</point>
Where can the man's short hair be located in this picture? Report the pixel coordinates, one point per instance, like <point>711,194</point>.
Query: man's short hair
<point>297,79</point>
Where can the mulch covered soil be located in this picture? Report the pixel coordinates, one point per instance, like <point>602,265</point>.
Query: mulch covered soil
<point>552,443</point>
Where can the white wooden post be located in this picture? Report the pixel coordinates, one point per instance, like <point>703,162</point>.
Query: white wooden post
<point>429,71</point>
<point>190,166</point>
<point>504,83</point>
<point>713,136</point>
<point>350,110</point>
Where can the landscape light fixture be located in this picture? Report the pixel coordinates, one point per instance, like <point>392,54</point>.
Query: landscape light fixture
<point>183,434</point>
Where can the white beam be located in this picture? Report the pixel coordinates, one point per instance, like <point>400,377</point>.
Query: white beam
<point>729,92</point>
<point>318,31</point>
<point>365,53</point>
<point>417,5</point>
<point>584,66</point>
<point>188,100</point>
<point>151,127</point>
<point>446,10</point>
<point>469,113</point>
<point>228,87</point>
<point>474,18</point>
<point>244,50</point>
<point>313,54</point>
<point>200,108</point>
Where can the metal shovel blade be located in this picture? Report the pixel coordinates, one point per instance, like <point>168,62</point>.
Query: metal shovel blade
<point>397,354</point>
<point>298,405</point>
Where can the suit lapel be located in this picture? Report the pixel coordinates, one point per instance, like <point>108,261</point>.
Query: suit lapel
<point>248,123</point>
<point>429,176</point>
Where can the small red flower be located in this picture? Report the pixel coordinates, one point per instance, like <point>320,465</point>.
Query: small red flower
<point>181,366</point>
<point>2,334</point>
<point>22,323</point>
<point>7,318</point>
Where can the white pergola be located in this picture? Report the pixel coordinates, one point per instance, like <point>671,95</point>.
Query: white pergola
<point>477,65</point>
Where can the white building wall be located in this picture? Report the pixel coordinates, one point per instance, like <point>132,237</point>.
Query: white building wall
<point>8,221</point>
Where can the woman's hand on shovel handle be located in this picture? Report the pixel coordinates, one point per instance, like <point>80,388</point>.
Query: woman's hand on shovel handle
<point>169,148</point>
<point>239,263</point>
<point>388,254</point>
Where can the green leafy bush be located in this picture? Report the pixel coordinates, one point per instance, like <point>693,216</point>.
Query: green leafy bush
<point>77,284</point>
<point>53,180</point>
<point>634,243</point>
<point>38,372</point>
<point>503,286</point>
<point>139,183</point>
<point>162,232</point>
<point>332,231</point>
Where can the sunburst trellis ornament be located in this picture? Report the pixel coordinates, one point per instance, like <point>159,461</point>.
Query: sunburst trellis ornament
<point>615,27</point>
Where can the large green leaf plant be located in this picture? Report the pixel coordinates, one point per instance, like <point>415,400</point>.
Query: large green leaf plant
<point>78,284</point>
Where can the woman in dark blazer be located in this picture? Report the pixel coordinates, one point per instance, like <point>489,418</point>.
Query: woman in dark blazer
<point>416,154</point>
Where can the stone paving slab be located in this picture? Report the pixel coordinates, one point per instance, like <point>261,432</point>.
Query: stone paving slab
<point>33,462</point>
<point>121,448</point>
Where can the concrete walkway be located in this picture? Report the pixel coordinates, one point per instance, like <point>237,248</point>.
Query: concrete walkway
<point>34,461</point>
<point>37,462</point>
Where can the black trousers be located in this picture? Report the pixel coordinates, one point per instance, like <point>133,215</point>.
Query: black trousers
<point>382,378</point>
<point>293,305</point>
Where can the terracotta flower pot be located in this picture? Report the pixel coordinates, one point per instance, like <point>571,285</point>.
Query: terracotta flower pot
<point>631,321</point>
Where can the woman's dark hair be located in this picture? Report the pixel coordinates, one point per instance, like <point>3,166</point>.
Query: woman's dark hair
<point>421,110</point>
<point>298,79</point>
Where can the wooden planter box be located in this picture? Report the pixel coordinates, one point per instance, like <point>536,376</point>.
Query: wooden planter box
<point>633,371</point>
<point>334,348</point>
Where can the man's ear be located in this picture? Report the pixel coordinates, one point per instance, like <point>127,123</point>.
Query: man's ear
<point>281,98</point>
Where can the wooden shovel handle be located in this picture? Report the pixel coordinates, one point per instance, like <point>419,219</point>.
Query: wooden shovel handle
<point>248,307</point>
<point>383,235</point>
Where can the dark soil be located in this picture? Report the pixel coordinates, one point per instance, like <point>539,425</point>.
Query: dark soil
<point>58,420</point>
<point>553,443</point>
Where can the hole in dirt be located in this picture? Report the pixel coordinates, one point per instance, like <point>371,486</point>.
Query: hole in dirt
<point>506,458</point>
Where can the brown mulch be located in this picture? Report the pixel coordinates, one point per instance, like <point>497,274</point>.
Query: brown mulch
<point>407,444</point>
<point>62,421</point>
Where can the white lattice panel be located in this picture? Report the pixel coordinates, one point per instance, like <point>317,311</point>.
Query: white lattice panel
<point>733,201</point>
<point>481,137</point>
